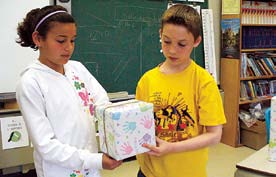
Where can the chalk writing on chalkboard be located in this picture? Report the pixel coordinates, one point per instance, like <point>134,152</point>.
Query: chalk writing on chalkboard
<point>118,40</point>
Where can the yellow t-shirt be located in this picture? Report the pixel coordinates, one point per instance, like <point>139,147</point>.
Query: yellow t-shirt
<point>184,102</point>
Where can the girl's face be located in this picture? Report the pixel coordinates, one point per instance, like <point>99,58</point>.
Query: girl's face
<point>57,48</point>
<point>177,45</point>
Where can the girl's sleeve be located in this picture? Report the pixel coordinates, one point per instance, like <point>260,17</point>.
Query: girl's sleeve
<point>32,106</point>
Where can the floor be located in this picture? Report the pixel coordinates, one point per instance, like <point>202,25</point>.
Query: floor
<point>222,162</point>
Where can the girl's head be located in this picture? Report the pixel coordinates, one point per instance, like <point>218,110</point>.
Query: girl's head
<point>183,15</point>
<point>52,31</point>
<point>35,21</point>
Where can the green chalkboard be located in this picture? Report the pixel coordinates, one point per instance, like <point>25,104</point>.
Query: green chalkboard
<point>118,40</point>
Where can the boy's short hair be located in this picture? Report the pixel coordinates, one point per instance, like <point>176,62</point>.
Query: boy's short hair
<point>183,15</point>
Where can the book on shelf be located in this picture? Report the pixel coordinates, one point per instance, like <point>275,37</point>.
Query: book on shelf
<point>243,92</point>
<point>247,91</point>
<point>270,65</point>
<point>244,68</point>
<point>257,89</point>
<point>262,88</point>
<point>255,68</point>
<point>252,89</point>
<point>266,67</point>
<point>272,87</point>
<point>256,12</point>
<point>273,59</point>
<point>258,37</point>
<point>260,64</point>
<point>264,71</point>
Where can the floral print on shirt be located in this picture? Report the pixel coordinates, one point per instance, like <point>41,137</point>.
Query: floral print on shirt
<point>78,173</point>
<point>83,93</point>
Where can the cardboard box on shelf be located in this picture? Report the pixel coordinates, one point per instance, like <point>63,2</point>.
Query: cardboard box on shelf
<point>254,136</point>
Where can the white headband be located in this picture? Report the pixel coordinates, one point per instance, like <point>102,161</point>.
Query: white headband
<point>47,16</point>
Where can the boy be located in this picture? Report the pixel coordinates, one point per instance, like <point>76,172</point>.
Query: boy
<point>187,105</point>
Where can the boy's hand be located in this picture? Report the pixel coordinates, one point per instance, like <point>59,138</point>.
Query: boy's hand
<point>110,163</point>
<point>162,147</point>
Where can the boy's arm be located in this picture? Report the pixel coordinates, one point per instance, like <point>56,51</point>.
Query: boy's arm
<point>212,136</point>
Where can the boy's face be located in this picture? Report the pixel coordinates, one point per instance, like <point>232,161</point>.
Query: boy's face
<point>177,44</point>
<point>57,48</point>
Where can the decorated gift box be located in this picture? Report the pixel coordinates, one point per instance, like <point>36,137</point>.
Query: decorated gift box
<point>272,131</point>
<point>124,126</point>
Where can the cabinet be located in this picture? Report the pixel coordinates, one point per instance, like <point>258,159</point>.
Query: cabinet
<point>247,38</point>
<point>16,159</point>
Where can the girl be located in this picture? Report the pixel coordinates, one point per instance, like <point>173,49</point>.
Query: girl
<point>57,98</point>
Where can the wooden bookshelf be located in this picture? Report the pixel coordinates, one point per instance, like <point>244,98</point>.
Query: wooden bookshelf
<point>258,49</point>
<point>231,87</point>
<point>258,78</point>
<point>261,25</point>
<point>231,64</point>
<point>255,100</point>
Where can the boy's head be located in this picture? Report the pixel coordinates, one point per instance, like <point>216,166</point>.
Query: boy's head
<point>183,15</point>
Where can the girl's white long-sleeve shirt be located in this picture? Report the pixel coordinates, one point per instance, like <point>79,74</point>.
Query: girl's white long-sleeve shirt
<point>59,114</point>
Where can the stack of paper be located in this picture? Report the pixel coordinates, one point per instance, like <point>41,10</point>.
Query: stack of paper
<point>118,95</point>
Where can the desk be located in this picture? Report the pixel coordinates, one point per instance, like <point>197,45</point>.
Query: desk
<point>256,165</point>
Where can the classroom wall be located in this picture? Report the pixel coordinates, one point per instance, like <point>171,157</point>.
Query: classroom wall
<point>13,57</point>
<point>216,7</point>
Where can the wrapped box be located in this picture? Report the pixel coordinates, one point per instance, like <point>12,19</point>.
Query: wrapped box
<point>124,126</point>
<point>272,131</point>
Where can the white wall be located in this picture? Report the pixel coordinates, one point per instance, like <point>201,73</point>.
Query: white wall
<point>13,57</point>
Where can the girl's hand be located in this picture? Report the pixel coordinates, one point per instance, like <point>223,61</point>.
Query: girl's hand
<point>109,163</point>
<point>162,147</point>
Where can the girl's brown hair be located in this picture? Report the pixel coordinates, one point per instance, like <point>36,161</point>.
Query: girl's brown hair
<point>27,26</point>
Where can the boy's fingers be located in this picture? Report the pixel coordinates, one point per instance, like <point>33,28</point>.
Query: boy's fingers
<point>152,148</point>
<point>147,146</point>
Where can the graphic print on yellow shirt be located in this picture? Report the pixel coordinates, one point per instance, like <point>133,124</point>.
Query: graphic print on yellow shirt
<point>173,118</point>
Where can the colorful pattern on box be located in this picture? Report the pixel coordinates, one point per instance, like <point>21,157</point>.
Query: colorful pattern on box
<point>124,127</point>
<point>272,134</point>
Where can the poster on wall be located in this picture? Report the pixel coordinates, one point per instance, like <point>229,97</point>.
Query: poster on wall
<point>230,7</point>
<point>14,132</point>
<point>230,36</point>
